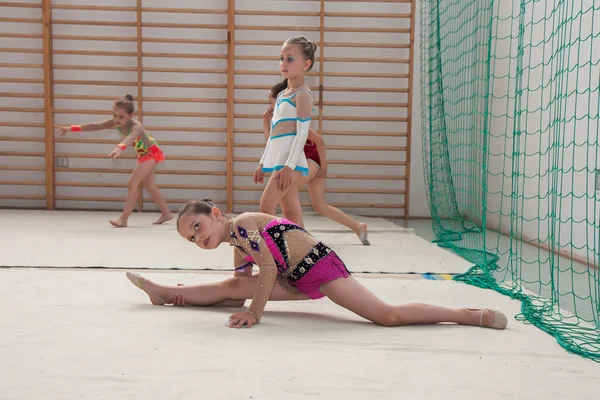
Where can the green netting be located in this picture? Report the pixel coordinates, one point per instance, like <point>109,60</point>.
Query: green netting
<point>509,96</point>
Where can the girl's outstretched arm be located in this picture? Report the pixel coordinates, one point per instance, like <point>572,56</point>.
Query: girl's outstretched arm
<point>89,127</point>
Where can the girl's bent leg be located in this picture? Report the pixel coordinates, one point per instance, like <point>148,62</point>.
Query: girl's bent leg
<point>158,198</point>
<point>140,172</point>
<point>350,294</point>
<point>272,195</point>
<point>316,188</point>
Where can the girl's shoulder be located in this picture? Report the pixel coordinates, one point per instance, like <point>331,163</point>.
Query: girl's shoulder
<point>253,219</point>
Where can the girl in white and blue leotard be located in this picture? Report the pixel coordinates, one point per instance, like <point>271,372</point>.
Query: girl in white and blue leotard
<point>283,156</point>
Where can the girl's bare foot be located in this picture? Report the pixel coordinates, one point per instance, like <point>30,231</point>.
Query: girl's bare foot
<point>119,223</point>
<point>163,218</point>
<point>362,233</point>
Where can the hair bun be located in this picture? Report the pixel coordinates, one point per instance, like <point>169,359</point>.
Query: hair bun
<point>129,97</point>
<point>209,202</point>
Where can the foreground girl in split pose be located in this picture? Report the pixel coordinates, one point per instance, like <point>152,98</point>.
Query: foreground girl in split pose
<point>148,155</point>
<point>293,265</point>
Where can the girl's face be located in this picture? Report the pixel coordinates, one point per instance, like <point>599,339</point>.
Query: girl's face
<point>203,230</point>
<point>291,62</point>
<point>120,116</point>
<point>272,100</point>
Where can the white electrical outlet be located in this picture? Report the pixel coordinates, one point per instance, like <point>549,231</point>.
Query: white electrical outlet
<point>62,162</point>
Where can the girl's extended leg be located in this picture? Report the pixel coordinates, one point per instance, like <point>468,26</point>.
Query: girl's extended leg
<point>139,173</point>
<point>316,188</point>
<point>206,294</point>
<point>272,195</point>
<point>350,294</point>
<point>158,198</point>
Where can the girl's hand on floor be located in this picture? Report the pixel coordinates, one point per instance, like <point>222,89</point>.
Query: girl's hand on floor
<point>238,320</point>
<point>178,300</point>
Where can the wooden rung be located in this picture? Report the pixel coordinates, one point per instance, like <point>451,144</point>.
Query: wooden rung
<point>22,80</point>
<point>146,113</point>
<point>95,38</point>
<point>22,124</point>
<point>334,204</point>
<point>268,73</point>
<point>22,153</point>
<point>94,68</point>
<point>21,110</point>
<point>185,55</point>
<point>182,25</point>
<point>20,35</point>
<point>363,104</point>
<point>276,28</point>
<point>93,83</point>
<point>185,85</point>
<point>183,10</point>
<point>335,147</point>
<point>186,129</point>
<point>22,168</point>
<point>23,95</point>
<point>184,100</point>
<point>92,8</point>
<point>80,140</point>
<point>346,176</point>
<point>365,89</point>
<point>183,201</point>
<point>266,87</point>
<point>258,188</point>
<point>21,20</point>
<point>374,119</point>
<point>366,15</point>
<point>278,13</point>
<point>128,171</point>
<point>124,185</point>
<point>184,114</point>
<point>336,162</point>
<point>20,5</point>
<point>189,41</point>
<point>17,65</point>
<point>368,30</point>
<point>360,133</point>
<point>369,45</point>
<point>21,197</point>
<point>21,139</point>
<point>20,50</point>
<point>259,42</point>
<point>368,60</point>
<point>368,1</point>
<point>23,183</point>
<point>185,70</point>
<point>96,53</point>
<point>364,75</point>
<point>128,156</point>
<point>91,22</point>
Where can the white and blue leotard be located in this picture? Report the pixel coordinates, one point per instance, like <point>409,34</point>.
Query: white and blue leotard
<point>289,131</point>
